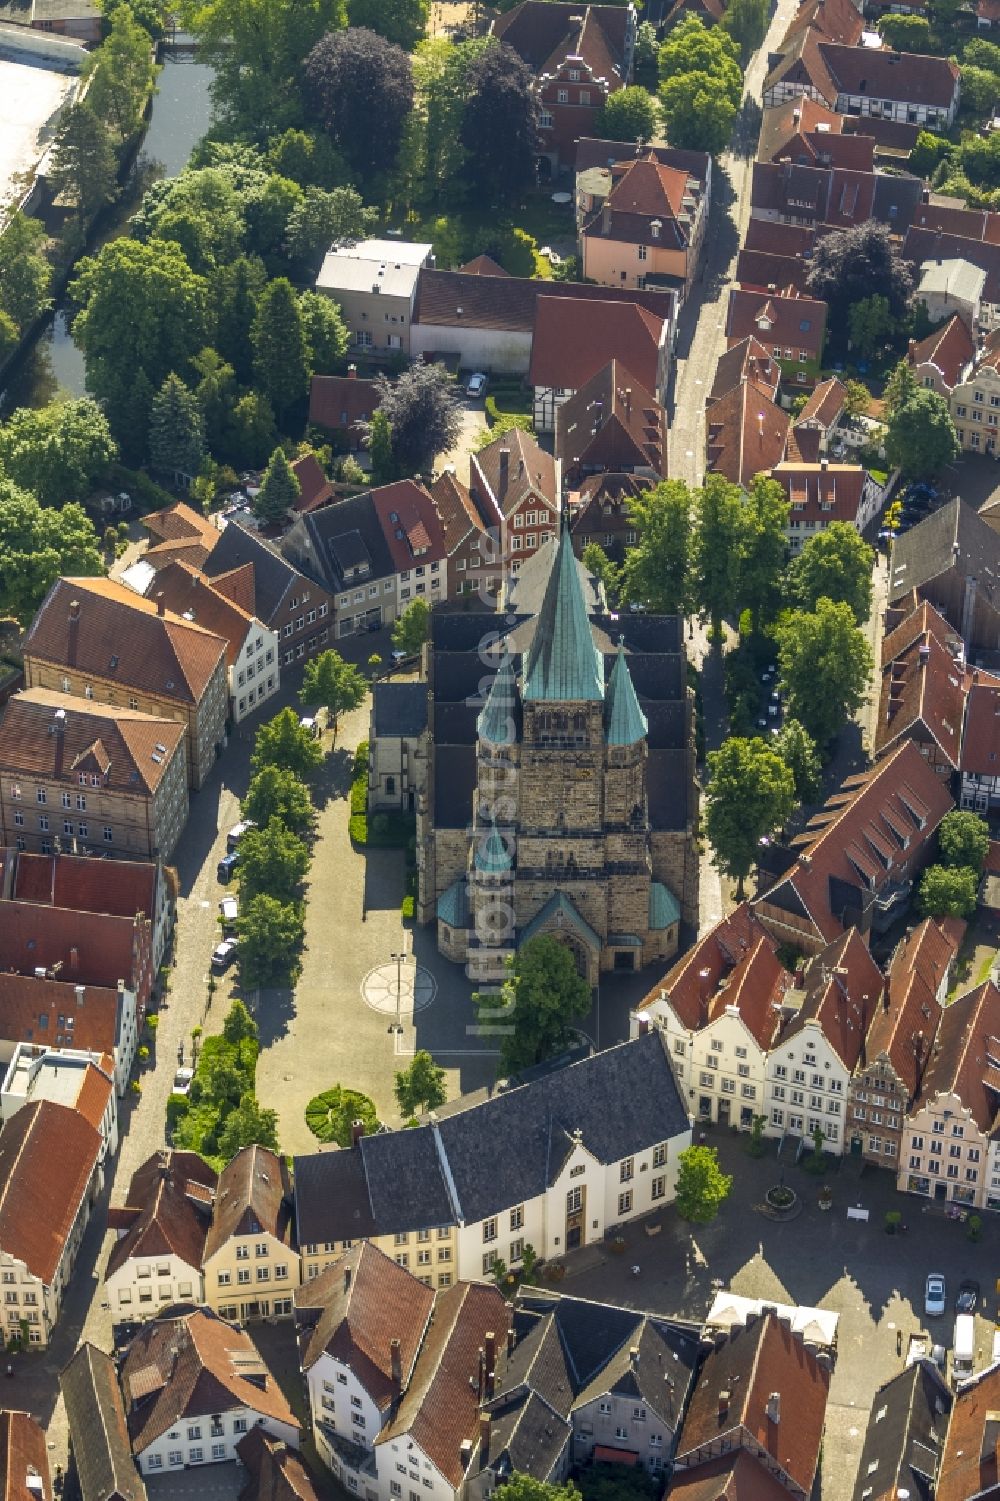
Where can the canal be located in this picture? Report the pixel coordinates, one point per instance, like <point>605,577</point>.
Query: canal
<point>178,119</point>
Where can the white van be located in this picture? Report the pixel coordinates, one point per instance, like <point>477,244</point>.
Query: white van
<point>964,1347</point>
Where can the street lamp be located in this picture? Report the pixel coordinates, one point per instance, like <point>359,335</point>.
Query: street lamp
<point>398,958</point>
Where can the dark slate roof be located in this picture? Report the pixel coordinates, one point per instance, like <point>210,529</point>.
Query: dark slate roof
<point>526,1436</point>
<point>454,783</point>
<point>666,788</point>
<point>399,710</point>
<point>273,576</point>
<point>622,1100</point>
<point>331,1198</point>
<point>956,537</point>
<point>325,542</point>
<point>405,1181</point>
<point>906,1432</point>
<point>897,196</point>
<point>98,1429</point>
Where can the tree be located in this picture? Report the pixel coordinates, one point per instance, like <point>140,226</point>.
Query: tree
<point>150,14</point>
<point>835,564</point>
<point>693,47</point>
<point>143,313</point>
<point>854,264</point>
<point>25,274</point>
<point>597,562</point>
<point>899,388</point>
<point>538,1001</point>
<point>334,685</point>
<point>123,74</point>
<point>401,21</point>
<point>321,219</point>
<point>646,54</point>
<point>412,628</point>
<point>947,891</point>
<point>239,1026</point>
<point>715,562</point>
<point>37,544</point>
<point>857,398</point>
<point>627,115</point>
<point>964,839</point>
<point>379,443</point>
<point>657,570</point>
<point>424,416</point>
<point>8,336</point>
<point>84,164</point>
<point>236,290</point>
<point>332,1115</point>
<point>256,48</point>
<point>279,489</point>
<point>499,127</point>
<point>870,325</point>
<point>750,794</point>
<point>326,332</point>
<point>906,33</point>
<point>281,346</point>
<point>59,451</point>
<point>250,1124</point>
<point>421,1086</point>
<point>251,431</point>
<point>920,437</point>
<point>352,79</point>
<point>521,1487</point>
<point>282,742</point>
<point>275,793</point>
<point>270,934</point>
<point>702,1186</point>
<point>798,751</point>
<point>697,113</point>
<point>980,90</point>
<point>176,429</point>
<point>272,860</point>
<point>762,547</point>
<point>825,664</point>
<point>930,150</point>
<point>746,23</point>
<point>441,71</point>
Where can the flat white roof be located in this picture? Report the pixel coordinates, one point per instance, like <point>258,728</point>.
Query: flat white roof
<point>400,252</point>
<point>817,1325</point>
<point>390,265</point>
<point>30,96</point>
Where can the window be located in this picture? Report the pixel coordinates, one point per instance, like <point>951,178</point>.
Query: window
<point>225,1278</point>
<point>489,1230</point>
<point>625,1203</point>
<point>517,1217</point>
<point>660,1155</point>
<point>643,252</point>
<point>263,1274</point>
<point>545,119</point>
<point>489,1257</point>
<point>627,1170</point>
<point>243,1275</point>
<point>242,1253</point>
<point>194,1432</point>
<point>562,96</point>
<point>218,1451</point>
<point>658,1188</point>
<point>574,1201</point>
<point>516,1251</point>
<point>41,795</point>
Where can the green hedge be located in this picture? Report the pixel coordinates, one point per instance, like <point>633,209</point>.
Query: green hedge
<point>331,1114</point>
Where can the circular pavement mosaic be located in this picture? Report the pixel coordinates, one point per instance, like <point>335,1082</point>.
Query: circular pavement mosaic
<point>418,989</point>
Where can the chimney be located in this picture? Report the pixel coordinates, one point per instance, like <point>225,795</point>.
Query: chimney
<point>633,1357</point>
<point>511,1341</point>
<point>824,463</point>
<point>643,1023</point>
<point>491,1361</point>
<point>357,1131</point>
<point>484,1439</point>
<point>74,960</point>
<point>774,1407</point>
<point>347,1279</point>
<point>923,653</point>
<point>481,1383</point>
<point>911,346</point>
<point>161,608</point>
<point>504,468</point>
<point>352,372</point>
<point>724,1397</point>
<point>80,993</point>
<point>74,609</point>
<point>396,1358</point>
<point>606,217</point>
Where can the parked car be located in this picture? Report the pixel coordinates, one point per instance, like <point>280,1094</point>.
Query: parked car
<point>477,384</point>
<point>223,955</point>
<point>226,866</point>
<point>968,1296</point>
<point>182,1080</point>
<point>310,725</point>
<point>935,1296</point>
<point>236,834</point>
<point>229,911</point>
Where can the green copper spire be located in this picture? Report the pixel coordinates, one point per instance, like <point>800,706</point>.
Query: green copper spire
<point>563,665</point>
<point>625,722</point>
<point>496,722</point>
<point>492,856</point>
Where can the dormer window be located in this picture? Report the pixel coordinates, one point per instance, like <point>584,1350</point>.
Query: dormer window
<point>763,324</point>
<point>574,75</point>
<point>655,227</point>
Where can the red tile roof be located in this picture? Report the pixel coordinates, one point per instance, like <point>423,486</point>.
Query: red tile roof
<point>843,985</point>
<point>47,1158</point>
<point>23,1457</point>
<point>737,1388</point>
<point>529,471</point>
<point>981,738</point>
<point>778,239</point>
<point>923,245</point>
<point>786,124</point>
<point>339,402</point>
<point>190,594</point>
<point>905,1023</point>
<point>969,1464</point>
<point>85,883</point>
<point>41,1012</point>
<point>410,524</point>
<point>440,1409</point>
<point>239,585</point>
<point>825,404</point>
<point>965,1051</point>
<point>835,20</point>
<point>821,492</point>
<point>645,190</point>
<point>737,1476</point>
<point>355,1308</point>
<point>190,1366</point>
<point>316,490</point>
<point>747,360</point>
<point>573,341</point>
<point>728,955</point>
<point>922,697</point>
<point>862,827</point>
<point>949,349</point>
<point>611,425</point>
<point>96,1088</point>
<point>276,1472</point>
<point>795,322</point>
<point>114,634</point>
<point>546,32</point>
<point>131,752</point>
<point>457,510</point>
<point>483,265</point>
<point>775,273</point>
<point>90,948</point>
<point>746,433</point>
<point>166,1210</point>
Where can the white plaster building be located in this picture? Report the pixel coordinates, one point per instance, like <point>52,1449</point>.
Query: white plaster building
<point>161,1229</point>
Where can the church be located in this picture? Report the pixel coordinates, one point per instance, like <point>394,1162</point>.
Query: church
<point>555,777</point>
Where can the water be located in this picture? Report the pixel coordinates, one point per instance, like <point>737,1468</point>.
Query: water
<point>179,118</point>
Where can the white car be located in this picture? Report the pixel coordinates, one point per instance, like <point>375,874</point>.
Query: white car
<point>935,1296</point>
<point>477,384</point>
<point>223,955</point>
<point>182,1080</point>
